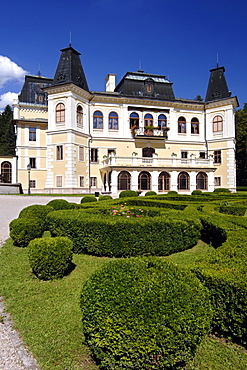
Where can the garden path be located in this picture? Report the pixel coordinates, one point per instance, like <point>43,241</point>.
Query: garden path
<point>13,354</point>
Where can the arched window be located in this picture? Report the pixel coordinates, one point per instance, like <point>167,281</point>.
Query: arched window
<point>202,181</point>
<point>79,115</point>
<point>183,181</point>
<point>195,126</point>
<point>113,121</point>
<point>164,181</point>
<point>124,180</point>
<point>144,180</point>
<point>182,125</point>
<point>217,124</point>
<point>98,120</point>
<point>6,172</point>
<point>60,113</point>
<point>162,121</point>
<point>148,120</point>
<point>134,120</point>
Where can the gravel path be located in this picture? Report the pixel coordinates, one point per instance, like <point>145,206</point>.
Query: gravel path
<point>13,354</point>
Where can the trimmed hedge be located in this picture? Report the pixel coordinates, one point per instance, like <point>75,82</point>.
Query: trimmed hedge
<point>57,204</point>
<point>37,211</point>
<point>50,258</point>
<point>124,237</point>
<point>105,197</point>
<point>144,314</point>
<point>196,192</point>
<point>221,190</point>
<point>23,230</point>
<point>88,198</point>
<point>233,210</point>
<point>128,193</point>
<point>148,193</point>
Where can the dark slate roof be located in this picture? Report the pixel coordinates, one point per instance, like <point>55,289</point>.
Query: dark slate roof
<point>217,86</point>
<point>142,84</point>
<point>32,90</point>
<point>69,69</point>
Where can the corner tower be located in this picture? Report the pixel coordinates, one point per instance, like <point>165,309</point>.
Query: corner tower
<point>70,70</point>
<point>217,86</point>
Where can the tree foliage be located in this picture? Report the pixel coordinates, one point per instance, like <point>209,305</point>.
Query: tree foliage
<point>241,146</point>
<point>7,132</point>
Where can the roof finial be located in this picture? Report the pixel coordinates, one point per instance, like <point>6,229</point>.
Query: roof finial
<point>39,74</point>
<point>217,58</point>
<point>140,67</point>
<point>70,42</point>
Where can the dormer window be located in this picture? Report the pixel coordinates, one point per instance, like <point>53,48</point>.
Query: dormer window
<point>149,88</point>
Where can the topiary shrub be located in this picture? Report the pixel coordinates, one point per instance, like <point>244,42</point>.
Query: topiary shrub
<point>88,198</point>
<point>23,230</point>
<point>105,197</point>
<point>150,193</point>
<point>222,190</point>
<point>50,258</point>
<point>196,192</point>
<point>128,193</point>
<point>172,193</point>
<point>144,314</point>
<point>58,204</point>
<point>35,211</point>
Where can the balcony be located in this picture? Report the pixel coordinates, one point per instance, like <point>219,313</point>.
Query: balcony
<point>154,161</point>
<point>150,131</point>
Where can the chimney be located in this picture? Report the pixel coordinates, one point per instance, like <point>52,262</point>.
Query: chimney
<point>110,82</point>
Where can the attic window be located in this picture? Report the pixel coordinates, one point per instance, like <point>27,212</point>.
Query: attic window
<point>149,88</point>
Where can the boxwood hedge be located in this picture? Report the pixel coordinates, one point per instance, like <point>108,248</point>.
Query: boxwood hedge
<point>23,230</point>
<point>144,313</point>
<point>124,237</point>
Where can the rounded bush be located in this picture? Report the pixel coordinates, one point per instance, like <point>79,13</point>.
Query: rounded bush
<point>23,230</point>
<point>222,190</point>
<point>88,198</point>
<point>128,193</point>
<point>196,192</point>
<point>50,258</point>
<point>105,197</point>
<point>172,192</point>
<point>144,314</point>
<point>58,204</point>
<point>150,193</point>
<point>35,211</point>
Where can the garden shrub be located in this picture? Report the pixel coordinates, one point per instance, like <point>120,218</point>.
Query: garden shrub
<point>88,198</point>
<point>196,192</point>
<point>221,190</point>
<point>57,204</point>
<point>172,192</point>
<point>23,230</point>
<point>148,193</point>
<point>36,211</point>
<point>124,237</point>
<point>105,197</point>
<point>50,258</point>
<point>233,210</point>
<point>143,313</point>
<point>128,193</point>
<point>212,233</point>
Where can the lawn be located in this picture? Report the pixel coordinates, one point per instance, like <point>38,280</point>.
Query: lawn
<point>47,314</point>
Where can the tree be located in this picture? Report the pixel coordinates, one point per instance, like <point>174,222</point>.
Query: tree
<point>241,146</point>
<point>7,132</point>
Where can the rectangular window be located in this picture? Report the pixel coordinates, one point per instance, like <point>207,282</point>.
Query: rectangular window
<point>202,155</point>
<point>32,184</point>
<point>81,153</point>
<point>93,182</point>
<point>111,151</point>
<point>59,180</point>
<point>184,154</point>
<point>59,154</point>
<point>32,133</point>
<point>217,181</point>
<point>217,156</point>
<point>94,155</point>
<point>32,162</point>
<point>81,181</point>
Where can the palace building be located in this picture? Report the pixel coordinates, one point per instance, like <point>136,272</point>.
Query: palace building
<point>134,135</point>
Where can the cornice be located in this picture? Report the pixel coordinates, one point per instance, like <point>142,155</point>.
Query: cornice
<point>68,88</point>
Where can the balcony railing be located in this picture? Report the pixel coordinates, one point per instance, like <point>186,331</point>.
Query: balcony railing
<point>154,161</point>
<point>142,131</point>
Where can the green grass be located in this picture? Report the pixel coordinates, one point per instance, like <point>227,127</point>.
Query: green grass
<point>47,314</point>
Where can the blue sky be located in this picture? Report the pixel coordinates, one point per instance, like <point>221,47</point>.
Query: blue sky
<point>177,38</point>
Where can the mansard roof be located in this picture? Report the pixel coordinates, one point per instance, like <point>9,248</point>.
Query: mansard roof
<point>142,84</point>
<point>32,90</point>
<point>70,70</point>
<point>217,86</point>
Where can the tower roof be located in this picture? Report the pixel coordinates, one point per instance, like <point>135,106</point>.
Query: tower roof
<point>217,86</point>
<point>70,70</point>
